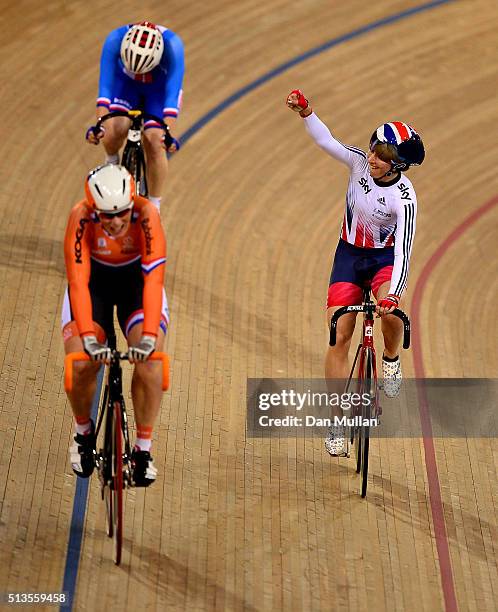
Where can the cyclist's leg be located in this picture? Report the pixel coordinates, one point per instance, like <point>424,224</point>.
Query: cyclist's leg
<point>146,387</point>
<point>337,367</point>
<point>157,161</point>
<point>146,392</point>
<point>392,330</point>
<point>344,290</point>
<point>116,130</point>
<point>84,372</point>
<point>82,451</point>
<point>337,357</point>
<point>84,380</point>
<point>147,377</point>
<point>125,98</point>
<point>392,327</point>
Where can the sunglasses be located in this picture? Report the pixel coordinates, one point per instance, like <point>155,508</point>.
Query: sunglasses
<point>110,216</point>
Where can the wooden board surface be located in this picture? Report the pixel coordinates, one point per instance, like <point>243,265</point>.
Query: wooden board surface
<point>252,212</point>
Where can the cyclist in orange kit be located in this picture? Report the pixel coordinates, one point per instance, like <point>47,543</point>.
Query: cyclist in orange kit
<point>115,253</point>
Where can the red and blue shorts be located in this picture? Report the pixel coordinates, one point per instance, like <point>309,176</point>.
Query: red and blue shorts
<point>355,268</point>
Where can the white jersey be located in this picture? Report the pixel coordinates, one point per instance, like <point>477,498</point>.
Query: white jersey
<point>377,215</point>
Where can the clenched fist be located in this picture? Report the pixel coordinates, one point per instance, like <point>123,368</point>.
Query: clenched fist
<point>298,103</point>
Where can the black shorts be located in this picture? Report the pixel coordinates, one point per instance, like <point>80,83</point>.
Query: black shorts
<point>110,286</point>
<point>120,286</point>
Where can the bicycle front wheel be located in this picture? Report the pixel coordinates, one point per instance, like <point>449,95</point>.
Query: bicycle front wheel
<point>368,387</point>
<point>105,457</point>
<point>117,483</point>
<point>109,512</point>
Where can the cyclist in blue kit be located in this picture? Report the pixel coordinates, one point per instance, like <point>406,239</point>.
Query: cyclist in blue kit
<point>375,241</point>
<point>141,66</point>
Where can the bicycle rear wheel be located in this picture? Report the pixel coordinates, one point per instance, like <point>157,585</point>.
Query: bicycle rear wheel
<point>116,504</point>
<point>105,457</point>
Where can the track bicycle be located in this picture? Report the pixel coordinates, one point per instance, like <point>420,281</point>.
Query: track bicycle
<point>113,460</point>
<point>366,379</point>
<point>133,158</point>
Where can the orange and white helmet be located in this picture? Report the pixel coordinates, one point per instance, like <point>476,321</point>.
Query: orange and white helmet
<point>142,47</point>
<point>110,189</point>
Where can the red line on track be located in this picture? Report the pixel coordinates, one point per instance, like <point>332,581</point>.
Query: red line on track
<point>437,510</point>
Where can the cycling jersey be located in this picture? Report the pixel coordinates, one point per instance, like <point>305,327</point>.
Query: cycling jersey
<point>117,86</point>
<point>144,242</point>
<point>377,214</point>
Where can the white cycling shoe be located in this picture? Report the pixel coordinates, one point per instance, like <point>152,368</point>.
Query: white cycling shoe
<point>391,372</point>
<point>335,442</point>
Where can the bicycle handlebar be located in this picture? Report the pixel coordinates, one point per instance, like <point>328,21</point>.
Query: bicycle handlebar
<point>70,358</point>
<point>363,308</point>
<point>135,116</point>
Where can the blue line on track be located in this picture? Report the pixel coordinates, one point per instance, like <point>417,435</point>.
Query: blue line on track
<point>268,76</point>
<point>79,506</point>
<point>78,521</point>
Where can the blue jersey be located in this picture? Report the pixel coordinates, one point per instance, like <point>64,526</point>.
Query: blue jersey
<point>164,83</point>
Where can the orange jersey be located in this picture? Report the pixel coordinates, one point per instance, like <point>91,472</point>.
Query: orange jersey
<point>144,240</point>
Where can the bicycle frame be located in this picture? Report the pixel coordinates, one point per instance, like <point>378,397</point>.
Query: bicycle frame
<point>367,376</point>
<point>113,460</point>
<point>113,392</point>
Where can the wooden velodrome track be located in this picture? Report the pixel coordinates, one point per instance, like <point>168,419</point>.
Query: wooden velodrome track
<point>252,211</point>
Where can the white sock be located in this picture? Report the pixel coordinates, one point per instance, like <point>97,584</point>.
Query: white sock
<point>156,201</point>
<point>143,444</point>
<point>84,428</point>
<point>112,159</point>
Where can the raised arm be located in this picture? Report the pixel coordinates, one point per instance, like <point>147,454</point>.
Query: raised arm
<point>354,158</point>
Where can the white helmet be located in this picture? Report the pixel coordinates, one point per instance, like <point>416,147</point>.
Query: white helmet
<point>142,47</point>
<point>110,189</point>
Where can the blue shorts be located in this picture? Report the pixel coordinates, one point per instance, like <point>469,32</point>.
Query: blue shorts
<point>354,268</point>
<point>129,94</point>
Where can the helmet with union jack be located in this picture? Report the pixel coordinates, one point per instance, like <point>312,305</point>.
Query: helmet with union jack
<point>142,47</point>
<point>403,141</point>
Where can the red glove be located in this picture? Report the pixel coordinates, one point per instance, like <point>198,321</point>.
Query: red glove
<point>390,301</point>
<point>302,102</point>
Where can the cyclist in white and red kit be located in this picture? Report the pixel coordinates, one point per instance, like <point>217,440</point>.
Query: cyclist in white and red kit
<point>376,239</point>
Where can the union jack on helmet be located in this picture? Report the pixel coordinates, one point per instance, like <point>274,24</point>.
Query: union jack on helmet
<point>405,141</point>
